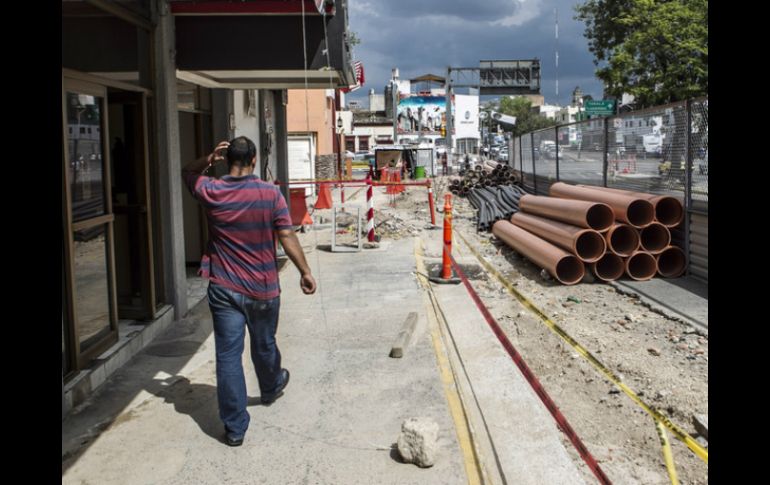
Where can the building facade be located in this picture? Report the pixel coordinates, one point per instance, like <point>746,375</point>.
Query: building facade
<point>154,95</point>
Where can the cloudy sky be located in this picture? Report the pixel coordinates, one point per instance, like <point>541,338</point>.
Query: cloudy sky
<point>426,36</point>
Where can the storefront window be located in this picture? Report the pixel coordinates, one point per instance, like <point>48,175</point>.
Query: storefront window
<point>92,302</point>
<point>86,164</point>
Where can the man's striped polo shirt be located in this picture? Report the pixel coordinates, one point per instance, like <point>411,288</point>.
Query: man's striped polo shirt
<point>243,213</point>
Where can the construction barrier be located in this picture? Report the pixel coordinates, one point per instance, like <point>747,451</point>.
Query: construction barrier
<point>324,197</point>
<point>369,210</point>
<point>299,215</point>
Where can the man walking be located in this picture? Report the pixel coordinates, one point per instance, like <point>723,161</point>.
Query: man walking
<point>244,215</point>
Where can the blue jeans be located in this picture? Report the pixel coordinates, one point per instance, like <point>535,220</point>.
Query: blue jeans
<point>232,313</point>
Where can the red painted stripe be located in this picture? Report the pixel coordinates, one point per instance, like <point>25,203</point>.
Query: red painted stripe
<point>532,379</point>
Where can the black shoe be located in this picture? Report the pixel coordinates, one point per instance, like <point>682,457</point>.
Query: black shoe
<point>270,398</point>
<point>230,441</point>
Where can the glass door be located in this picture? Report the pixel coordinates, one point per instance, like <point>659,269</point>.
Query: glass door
<point>129,166</point>
<point>91,313</point>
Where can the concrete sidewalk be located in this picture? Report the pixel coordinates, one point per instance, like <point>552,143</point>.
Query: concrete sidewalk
<point>523,443</point>
<point>684,298</point>
<point>155,421</point>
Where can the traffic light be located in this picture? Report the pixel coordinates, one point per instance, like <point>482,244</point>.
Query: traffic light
<point>443,131</point>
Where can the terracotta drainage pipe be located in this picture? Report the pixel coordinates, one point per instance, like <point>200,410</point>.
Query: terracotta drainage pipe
<point>563,266</point>
<point>622,239</point>
<point>641,266</point>
<point>592,215</point>
<point>668,210</point>
<point>586,244</point>
<point>635,211</point>
<point>671,262</point>
<point>655,238</point>
<point>609,268</point>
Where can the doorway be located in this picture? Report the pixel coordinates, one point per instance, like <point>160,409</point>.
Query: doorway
<point>108,257</point>
<point>133,230</point>
<point>91,311</point>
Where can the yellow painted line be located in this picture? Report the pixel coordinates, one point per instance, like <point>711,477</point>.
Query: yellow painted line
<point>668,457</point>
<point>680,434</point>
<point>473,468</point>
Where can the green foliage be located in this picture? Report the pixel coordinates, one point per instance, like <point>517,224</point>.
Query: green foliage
<point>526,119</point>
<point>656,50</point>
<point>353,39</point>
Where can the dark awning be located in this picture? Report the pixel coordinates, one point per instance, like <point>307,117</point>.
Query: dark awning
<point>259,44</point>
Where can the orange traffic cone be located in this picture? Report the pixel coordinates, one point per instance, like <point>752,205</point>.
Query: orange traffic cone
<point>299,215</point>
<point>324,198</point>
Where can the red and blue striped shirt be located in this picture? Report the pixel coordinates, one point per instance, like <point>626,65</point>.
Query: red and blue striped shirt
<point>243,213</point>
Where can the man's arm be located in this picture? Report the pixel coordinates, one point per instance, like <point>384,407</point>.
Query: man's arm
<point>197,167</point>
<point>293,249</point>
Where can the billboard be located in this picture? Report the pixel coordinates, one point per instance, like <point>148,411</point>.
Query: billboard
<point>421,114</point>
<point>466,116</point>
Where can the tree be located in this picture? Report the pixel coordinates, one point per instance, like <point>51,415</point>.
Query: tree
<point>353,39</point>
<point>526,119</point>
<point>656,50</point>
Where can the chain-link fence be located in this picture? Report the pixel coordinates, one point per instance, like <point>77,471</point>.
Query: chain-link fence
<point>527,169</point>
<point>644,151</point>
<point>545,150</point>
<point>699,137</point>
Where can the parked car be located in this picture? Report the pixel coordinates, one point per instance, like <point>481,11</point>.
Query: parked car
<point>362,155</point>
<point>503,156</point>
<point>550,152</point>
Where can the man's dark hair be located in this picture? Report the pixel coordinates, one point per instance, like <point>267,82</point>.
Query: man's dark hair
<point>241,152</point>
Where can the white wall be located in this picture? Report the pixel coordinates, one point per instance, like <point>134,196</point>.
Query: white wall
<point>376,102</point>
<point>466,116</point>
<point>371,132</point>
<point>550,111</point>
<point>246,122</point>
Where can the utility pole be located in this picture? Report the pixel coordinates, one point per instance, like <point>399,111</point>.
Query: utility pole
<point>449,115</point>
<point>337,135</point>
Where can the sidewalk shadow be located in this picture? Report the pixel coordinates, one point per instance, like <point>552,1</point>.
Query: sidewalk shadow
<point>199,401</point>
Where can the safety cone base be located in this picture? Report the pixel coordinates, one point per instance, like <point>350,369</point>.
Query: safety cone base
<point>445,281</point>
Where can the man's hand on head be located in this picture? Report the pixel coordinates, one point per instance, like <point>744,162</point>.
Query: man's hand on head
<point>218,154</point>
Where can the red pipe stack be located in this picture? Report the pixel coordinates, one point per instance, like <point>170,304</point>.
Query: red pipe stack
<point>613,231</point>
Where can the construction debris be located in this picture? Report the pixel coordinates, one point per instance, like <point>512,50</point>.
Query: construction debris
<point>417,442</point>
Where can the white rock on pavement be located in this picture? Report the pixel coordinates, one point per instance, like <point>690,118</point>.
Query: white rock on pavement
<point>417,442</point>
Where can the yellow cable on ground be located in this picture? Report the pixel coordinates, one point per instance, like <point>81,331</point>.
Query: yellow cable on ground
<point>668,457</point>
<point>680,434</point>
<point>473,468</point>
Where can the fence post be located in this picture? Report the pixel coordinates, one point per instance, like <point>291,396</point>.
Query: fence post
<point>606,147</point>
<point>688,182</point>
<point>532,146</point>
<point>556,130</point>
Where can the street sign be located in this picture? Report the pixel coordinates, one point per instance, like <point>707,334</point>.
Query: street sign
<point>602,107</point>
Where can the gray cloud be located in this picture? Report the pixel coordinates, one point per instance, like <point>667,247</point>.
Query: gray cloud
<point>427,36</point>
<point>463,9</point>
